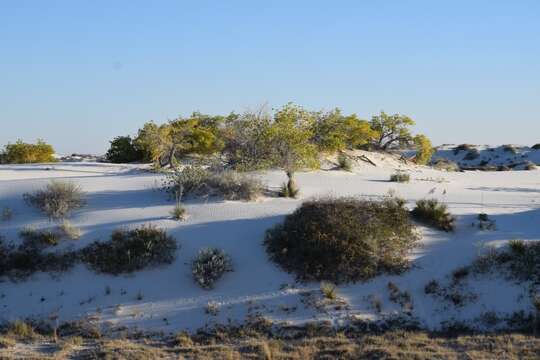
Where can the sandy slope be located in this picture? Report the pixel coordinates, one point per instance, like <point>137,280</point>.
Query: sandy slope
<point>124,196</point>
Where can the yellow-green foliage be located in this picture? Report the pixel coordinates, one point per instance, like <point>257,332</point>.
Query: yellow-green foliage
<point>23,153</point>
<point>391,130</point>
<point>424,149</point>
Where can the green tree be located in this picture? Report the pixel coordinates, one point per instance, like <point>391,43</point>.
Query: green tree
<point>391,130</point>
<point>123,150</point>
<point>291,148</point>
<point>424,149</point>
<point>21,152</point>
<point>357,132</point>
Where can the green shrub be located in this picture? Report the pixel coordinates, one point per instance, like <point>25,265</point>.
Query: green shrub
<point>131,250</point>
<point>23,153</point>
<point>209,266</point>
<point>344,162</point>
<point>123,150</point>
<point>58,199</point>
<point>343,240</point>
<point>433,213</point>
<point>400,177</point>
<point>536,147</point>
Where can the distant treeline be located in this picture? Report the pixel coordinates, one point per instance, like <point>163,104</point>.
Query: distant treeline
<point>290,137</point>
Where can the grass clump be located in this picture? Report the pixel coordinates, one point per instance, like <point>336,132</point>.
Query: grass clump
<point>39,238</point>
<point>434,214</point>
<point>131,250</point>
<point>343,239</point>
<point>209,266</point>
<point>329,290</point>
<point>344,162</point>
<point>400,177</point>
<point>178,213</point>
<point>58,199</point>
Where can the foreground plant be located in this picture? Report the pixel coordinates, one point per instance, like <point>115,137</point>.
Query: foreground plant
<point>58,199</point>
<point>209,266</point>
<point>434,214</point>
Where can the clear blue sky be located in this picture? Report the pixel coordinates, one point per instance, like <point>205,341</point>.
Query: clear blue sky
<point>77,73</point>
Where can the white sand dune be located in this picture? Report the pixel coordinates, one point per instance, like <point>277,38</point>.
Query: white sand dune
<point>126,195</point>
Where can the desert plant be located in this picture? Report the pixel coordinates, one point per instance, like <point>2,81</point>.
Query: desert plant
<point>39,238</point>
<point>58,199</point>
<point>209,266</point>
<point>289,190</point>
<point>131,250</point>
<point>433,213</point>
<point>472,154</point>
<point>445,164</point>
<point>234,186</point>
<point>328,289</point>
<point>462,147</point>
<point>186,181</point>
<point>22,153</point>
<point>178,212</point>
<point>400,177</point>
<point>536,147</point>
<point>123,150</point>
<point>67,229</point>
<point>344,162</point>
<point>510,149</point>
<point>343,239</point>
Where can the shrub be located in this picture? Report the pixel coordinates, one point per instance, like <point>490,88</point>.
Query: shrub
<point>67,229</point>
<point>131,250</point>
<point>194,180</point>
<point>509,148</point>
<point>123,150</point>
<point>21,329</point>
<point>344,162</point>
<point>435,214</point>
<point>289,191</point>
<point>234,186</point>
<point>328,289</point>
<point>23,153</point>
<point>400,177</point>
<point>39,238</point>
<point>209,266</point>
<point>536,147</point>
<point>178,212</point>
<point>58,199</point>
<point>7,214</point>
<point>343,240</point>
<point>446,165</point>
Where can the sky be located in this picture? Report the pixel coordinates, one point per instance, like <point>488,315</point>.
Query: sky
<point>78,73</point>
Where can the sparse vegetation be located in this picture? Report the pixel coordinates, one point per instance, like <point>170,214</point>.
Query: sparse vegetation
<point>344,162</point>
<point>131,250</point>
<point>401,177</point>
<point>39,238</point>
<point>434,214</point>
<point>209,266</point>
<point>445,165</point>
<point>328,289</point>
<point>24,153</point>
<point>58,199</point>
<point>343,240</point>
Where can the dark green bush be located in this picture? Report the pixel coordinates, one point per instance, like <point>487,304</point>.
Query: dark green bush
<point>123,150</point>
<point>209,266</point>
<point>434,214</point>
<point>462,147</point>
<point>131,250</point>
<point>536,147</point>
<point>39,238</point>
<point>343,240</point>
<point>58,199</point>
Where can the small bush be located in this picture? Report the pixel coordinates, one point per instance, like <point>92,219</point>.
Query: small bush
<point>58,199</point>
<point>432,288</point>
<point>23,153</point>
<point>510,149</point>
<point>22,330</point>
<point>131,250</point>
<point>536,147</point>
<point>178,212</point>
<point>343,240</point>
<point>194,180</point>
<point>209,266</point>
<point>287,191</point>
<point>435,214</point>
<point>7,214</point>
<point>400,177</point>
<point>344,162</point>
<point>67,229</point>
<point>445,165</point>
<point>328,289</point>
<point>39,238</point>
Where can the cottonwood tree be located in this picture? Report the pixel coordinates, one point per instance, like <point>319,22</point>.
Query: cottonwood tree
<point>424,149</point>
<point>391,130</point>
<point>290,143</point>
